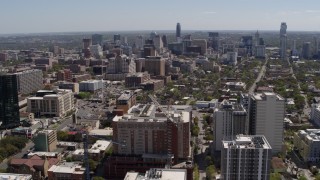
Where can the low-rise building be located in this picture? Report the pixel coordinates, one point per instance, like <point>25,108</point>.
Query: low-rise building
<point>56,103</point>
<point>91,85</point>
<point>15,176</point>
<point>69,146</point>
<point>158,174</point>
<point>126,100</point>
<point>35,166</point>
<point>307,143</point>
<point>66,170</point>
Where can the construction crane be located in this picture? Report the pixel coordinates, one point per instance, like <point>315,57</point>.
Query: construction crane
<point>170,155</point>
<point>85,137</point>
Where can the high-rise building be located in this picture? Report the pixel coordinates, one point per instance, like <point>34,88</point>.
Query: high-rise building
<point>46,141</point>
<point>257,38</point>
<point>229,120</point>
<point>146,130</point>
<point>155,65</point>
<point>214,40</point>
<point>29,81</point>
<point>86,43</point>
<point>247,43</point>
<point>178,31</point>
<point>164,41</point>
<point>116,38</point>
<point>283,40</point>
<point>306,50</point>
<point>97,39</point>
<point>266,114</point>
<point>202,43</point>
<point>9,103</point>
<point>246,157</point>
<point>139,42</point>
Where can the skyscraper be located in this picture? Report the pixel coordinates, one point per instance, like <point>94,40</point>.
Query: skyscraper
<point>9,104</point>
<point>178,31</point>
<point>306,50</point>
<point>283,40</point>
<point>97,39</point>
<point>266,114</point>
<point>246,157</point>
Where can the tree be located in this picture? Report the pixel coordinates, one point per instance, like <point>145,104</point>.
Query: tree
<point>196,174</point>
<point>275,176</point>
<point>93,165</point>
<point>62,136</point>
<point>210,172</point>
<point>209,160</point>
<point>195,131</point>
<point>302,178</point>
<point>98,178</point>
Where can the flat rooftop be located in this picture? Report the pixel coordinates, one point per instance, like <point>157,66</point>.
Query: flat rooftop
<point>11,176</point>
<point>248,142</point>
<point>310,134</point>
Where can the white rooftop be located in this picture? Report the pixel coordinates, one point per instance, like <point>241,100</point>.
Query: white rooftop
<point>11,176</point>
<point>67,167</point>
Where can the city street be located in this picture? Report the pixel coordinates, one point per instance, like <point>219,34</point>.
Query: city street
<point>261,74</point>
<point>29,145</point>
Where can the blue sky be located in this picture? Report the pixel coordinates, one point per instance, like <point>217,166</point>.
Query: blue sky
<point>32,16</point>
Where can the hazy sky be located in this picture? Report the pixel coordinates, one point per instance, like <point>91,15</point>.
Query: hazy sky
<point>29,16</point>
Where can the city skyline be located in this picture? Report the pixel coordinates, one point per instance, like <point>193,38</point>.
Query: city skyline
<point>81,16</point>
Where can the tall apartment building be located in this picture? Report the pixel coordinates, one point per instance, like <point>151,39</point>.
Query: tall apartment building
<point>155,66</point>
<point>246,157</point>
<point>121,64</point>
<point>229,120</point>
<point>29,81</point>
<point>136,79</point>
<point>283,40</point>
<point>307,142</point>
<point>51,103</point>
<point>315,113</point>
<point>9,103</point>
<point>64,75</point>
<point>266,116</point>
<point>202,43</point>
<point>46,141</point>
<point>306,50</point>
<point>145,131</point>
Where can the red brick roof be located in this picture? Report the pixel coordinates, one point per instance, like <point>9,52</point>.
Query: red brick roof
<point>33,161</point>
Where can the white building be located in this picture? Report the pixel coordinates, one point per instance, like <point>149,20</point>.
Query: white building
<point>90,85</point>
<point>232,58</point>
<point>121,64</point>
<point>266,115</point>
<point>56,104</point>
<point>307,142</point>
<point>246,157</point>
<point>11,176</point>
<point>158,174</point>
<point>229,120</point>
<point>315,113</point>
<point>96,51</point>
<point>29,81</point>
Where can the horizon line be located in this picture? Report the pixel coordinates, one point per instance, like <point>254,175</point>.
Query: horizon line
<point>108,31</point>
